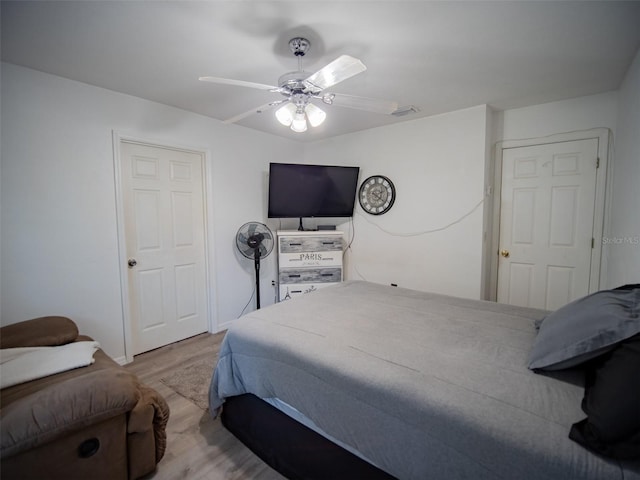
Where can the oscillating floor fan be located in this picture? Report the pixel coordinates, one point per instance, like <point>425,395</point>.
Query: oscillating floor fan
<point>255,240</point>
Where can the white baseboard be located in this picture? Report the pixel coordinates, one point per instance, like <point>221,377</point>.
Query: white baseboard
<point>224,326</point>
<point>121,360</point>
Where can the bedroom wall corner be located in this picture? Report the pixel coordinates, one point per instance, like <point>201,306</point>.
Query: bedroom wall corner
<point>432,238</point>
<point>488,210</point>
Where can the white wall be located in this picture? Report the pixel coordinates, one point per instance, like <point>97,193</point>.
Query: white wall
<point>583,113</point>
<point>437,165</point>
<point>624,235</point>
<point>59,239</point>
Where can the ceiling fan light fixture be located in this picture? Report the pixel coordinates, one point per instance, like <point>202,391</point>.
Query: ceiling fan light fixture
<point>286,113</point>
<point>315,115</point>
<point>299,123</point>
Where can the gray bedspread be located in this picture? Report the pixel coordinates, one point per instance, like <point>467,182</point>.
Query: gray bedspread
<point>425,386</point>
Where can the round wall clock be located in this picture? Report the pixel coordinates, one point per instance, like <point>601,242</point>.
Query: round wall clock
<point>377,194</point>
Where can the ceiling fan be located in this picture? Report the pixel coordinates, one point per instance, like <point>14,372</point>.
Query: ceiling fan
<point>300,88</point>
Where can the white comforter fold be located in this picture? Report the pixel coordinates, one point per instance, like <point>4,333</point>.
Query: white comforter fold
<point>19,365</point>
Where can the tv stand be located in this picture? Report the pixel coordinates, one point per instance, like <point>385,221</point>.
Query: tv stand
<point>300,227</point>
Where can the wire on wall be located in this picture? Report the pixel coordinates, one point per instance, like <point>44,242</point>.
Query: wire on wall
<point>410,234</point>
<point>426,232</point>
<point>352,233</point>
<point>245,307</point>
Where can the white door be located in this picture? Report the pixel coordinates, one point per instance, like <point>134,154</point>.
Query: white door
<point>163,205</point>
<point>547,209</point>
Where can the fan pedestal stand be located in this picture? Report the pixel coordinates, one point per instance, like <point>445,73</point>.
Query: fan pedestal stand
<point>255,240</point>
<point>256,264</point>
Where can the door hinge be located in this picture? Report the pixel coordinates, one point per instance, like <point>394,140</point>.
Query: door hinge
<point>598,162</point>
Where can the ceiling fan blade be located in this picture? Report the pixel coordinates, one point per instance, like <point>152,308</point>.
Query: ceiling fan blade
<point>335,72</point>
<point>239,83</point>
<point>259,109</point>
<point>375,105</point>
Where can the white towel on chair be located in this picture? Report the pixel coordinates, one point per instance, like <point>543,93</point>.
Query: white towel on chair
<point>19,365</point>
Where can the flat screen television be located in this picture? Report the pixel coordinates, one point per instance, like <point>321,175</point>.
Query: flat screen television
<point>297,191</point>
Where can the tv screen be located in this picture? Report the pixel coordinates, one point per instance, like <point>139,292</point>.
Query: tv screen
<point>311,190</point>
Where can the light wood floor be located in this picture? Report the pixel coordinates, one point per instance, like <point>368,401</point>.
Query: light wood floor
<point>198,446</point>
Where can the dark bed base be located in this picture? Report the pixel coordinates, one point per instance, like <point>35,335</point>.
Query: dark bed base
<point>289,447</point>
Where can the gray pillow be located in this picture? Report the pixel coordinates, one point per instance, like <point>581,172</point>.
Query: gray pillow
<point>585,329</point>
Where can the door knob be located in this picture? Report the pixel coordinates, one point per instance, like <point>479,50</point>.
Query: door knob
<point>504,253</point>
<point>132,262</point>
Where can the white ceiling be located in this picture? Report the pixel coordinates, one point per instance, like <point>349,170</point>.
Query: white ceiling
<point>437,56</point>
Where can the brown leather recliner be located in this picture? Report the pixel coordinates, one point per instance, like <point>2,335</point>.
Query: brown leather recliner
<point>95,422</point>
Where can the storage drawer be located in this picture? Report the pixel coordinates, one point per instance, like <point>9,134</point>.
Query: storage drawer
<point>287,292</point>
<point>310,259</point>
<point>323,243</point>
<point>310,275</point>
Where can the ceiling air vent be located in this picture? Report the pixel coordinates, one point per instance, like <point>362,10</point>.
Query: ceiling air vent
<point>406,110</point>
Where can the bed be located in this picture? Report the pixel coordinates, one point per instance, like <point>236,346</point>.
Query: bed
<point>417,385</point>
